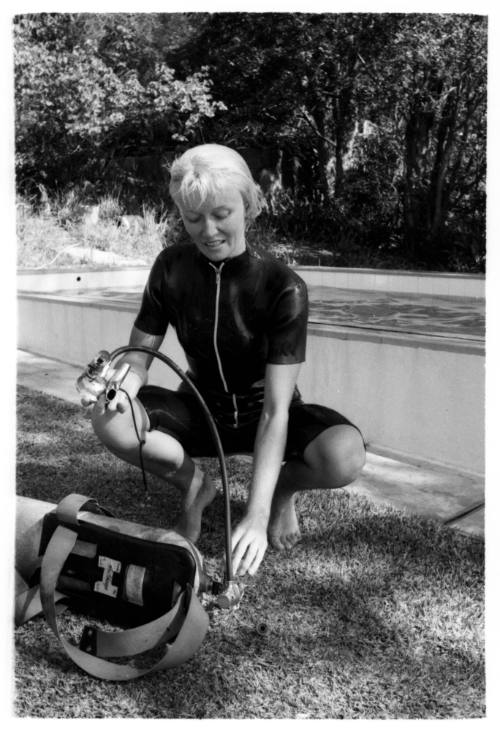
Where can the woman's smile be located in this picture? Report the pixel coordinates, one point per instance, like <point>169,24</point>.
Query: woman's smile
<point>215,244</point>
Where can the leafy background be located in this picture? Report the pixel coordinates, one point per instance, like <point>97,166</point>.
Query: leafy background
<point>367,132</point>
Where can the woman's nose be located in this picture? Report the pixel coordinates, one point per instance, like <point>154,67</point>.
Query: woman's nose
<point>209,226</point>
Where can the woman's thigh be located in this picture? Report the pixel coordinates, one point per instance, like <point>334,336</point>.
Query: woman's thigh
<point>307,422</point>
<point>179,414</point>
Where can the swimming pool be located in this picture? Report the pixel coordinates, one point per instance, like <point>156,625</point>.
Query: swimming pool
<point>415,314</point>
<point>407,367</point>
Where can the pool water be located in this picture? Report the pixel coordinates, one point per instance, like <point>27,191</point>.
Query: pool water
<point>431,315</point>
<point>448,317</point>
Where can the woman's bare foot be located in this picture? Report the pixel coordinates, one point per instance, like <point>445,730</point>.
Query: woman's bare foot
<point>200,493</point>
<point>283,530</point>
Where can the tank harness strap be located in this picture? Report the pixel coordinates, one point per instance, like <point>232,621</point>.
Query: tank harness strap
<point>69,507</point>
<point>187,610</point>
<point>28,603</point>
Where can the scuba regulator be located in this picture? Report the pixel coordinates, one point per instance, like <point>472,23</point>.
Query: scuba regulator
<point>100,377</point>
<point>146,578</point>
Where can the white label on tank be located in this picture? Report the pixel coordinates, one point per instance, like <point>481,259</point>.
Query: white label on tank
<point>110,567</point>
<point>134,581</point>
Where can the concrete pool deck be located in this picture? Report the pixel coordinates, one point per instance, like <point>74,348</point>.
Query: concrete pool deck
<point>413,486</point>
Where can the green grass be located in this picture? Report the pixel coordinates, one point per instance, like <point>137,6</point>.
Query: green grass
<point>374,615</point>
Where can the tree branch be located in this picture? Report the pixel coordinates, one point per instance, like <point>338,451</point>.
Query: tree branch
<point>312,124</point>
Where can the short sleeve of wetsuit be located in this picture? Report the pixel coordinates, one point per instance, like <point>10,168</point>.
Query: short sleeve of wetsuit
<point>153,316</point>
<point>287,324</point>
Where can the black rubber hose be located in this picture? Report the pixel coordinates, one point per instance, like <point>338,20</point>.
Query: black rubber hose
<point>213,430</point>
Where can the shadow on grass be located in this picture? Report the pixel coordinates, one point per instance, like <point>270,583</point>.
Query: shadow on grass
<point>374,615</point>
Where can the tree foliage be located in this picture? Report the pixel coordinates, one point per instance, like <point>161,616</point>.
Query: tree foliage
<point>383,116</point>
<point>370,127</point>
<point>84,97</point>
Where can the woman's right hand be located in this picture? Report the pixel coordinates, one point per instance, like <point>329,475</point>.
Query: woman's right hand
<point>135,378</point>
<point>128,390</point>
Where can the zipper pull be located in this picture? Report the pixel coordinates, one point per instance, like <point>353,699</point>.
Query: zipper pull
<point>218,274</point>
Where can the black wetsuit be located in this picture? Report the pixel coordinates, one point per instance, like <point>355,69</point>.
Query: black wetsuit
<point>232,318</point>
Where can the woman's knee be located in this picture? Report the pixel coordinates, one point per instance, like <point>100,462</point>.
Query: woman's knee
<point>337,455</point>
<point>117,431</point>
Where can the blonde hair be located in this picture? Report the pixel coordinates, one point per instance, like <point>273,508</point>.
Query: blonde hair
<point>202,171</point>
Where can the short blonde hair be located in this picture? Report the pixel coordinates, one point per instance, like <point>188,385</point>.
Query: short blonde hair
<point>202,171</point>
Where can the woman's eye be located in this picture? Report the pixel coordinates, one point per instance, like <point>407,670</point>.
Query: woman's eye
<point>221,214</point>
<point>191,219</point>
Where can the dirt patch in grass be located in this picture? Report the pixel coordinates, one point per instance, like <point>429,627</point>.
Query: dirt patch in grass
<point>374,615</point>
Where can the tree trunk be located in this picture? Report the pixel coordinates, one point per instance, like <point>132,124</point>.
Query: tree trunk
<point>343,118</point>
<point>415,214</point>
<point>324,152</point>
<point>445,141</point>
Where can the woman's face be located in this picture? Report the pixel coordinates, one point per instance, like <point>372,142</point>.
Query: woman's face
<point>217,227</point>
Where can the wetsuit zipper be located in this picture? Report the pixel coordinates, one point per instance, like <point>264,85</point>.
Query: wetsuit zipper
<point>218,273</point>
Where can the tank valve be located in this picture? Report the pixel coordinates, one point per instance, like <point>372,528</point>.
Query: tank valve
<point>231,596</point>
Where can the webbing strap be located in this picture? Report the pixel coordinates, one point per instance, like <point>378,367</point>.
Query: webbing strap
<point>139,639</point>
<point>28,603</point>
<point>183,648</point>
<point>68,508</point>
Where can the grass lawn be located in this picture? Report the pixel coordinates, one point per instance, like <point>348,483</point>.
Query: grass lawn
<point>374,615</point>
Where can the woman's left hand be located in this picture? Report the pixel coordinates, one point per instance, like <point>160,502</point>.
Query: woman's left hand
<point>249,544</point>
